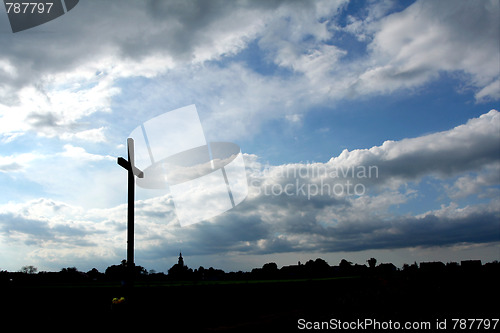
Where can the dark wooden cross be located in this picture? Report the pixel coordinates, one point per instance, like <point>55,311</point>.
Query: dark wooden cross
<point>132,171</point>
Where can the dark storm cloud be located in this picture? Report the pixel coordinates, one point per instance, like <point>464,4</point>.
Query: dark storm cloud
<point>230,233</point>
<point>295,222</point>
<point>189,22</point>
<point>402,232</point>
<point>399,232</point>
<point>37,231</point>
<point>124,29</point>
<point>9,224</point>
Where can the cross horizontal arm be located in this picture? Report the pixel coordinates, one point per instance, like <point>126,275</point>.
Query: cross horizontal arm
<point>137,172</point>
<point>124,163</point>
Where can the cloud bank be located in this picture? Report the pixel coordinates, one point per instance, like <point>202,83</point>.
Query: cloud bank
<point>274,221</point>
<point>190,49</point>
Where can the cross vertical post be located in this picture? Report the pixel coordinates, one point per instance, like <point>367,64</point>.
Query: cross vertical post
<point>130,220</point>
<point>132,172</point>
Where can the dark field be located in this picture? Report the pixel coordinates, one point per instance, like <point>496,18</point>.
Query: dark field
<point>251,306</point>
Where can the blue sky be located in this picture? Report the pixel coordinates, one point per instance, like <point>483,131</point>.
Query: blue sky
<point>411,88</point>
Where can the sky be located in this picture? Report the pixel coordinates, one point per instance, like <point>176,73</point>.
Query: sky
<point>368,129</point>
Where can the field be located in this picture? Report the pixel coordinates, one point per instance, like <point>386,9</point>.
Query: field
<point>242,306</point>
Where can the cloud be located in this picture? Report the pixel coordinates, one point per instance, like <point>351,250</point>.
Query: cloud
<point>304,210</point>
<point>290,208</point>
<point>430,230</point>
<point>78,153</point>
<point>413,46</point>
<point>92,135</point>
<point>477,183</point>
<point>39,222</point>
<point>50,232</point>
<point>282,213</point>
<point>490,92</point>
<point>73,74</point>
<point>172,32</point>
<point>188,49</point>
<point>468,151</point>
<point>14,163</point>
<point>76,74</point>
<point>310,67</point>
<point>58,111</point>
<point>463,148</point>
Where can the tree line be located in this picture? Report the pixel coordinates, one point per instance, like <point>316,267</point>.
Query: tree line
<point>317,268</point>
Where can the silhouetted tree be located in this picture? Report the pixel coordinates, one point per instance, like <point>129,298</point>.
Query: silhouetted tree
<point>317,268</point>
<point>71,274</point>
<point>345,265</point>
<point>214,274</point>
<point>452,267</point>
<point>270,267</point>
<point>69,270</point>
<point>29,269</point>
<point>433,267</point>
<point>119,272</point>
<point>372,262</point>
<point>410,270</point>
<point>94,274</point>
<point>270,270</point>
<point>386,268</point>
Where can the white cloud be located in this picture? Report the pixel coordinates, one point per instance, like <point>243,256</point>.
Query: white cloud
<point>60,111</point>
<point>465,147</point>
<point>52,232</point>
<point>480,183</point>
<point>78,153</point>
<point>412,47</point>
<point>491,91</point>
<point>17,162</point>
<point>91,135</point>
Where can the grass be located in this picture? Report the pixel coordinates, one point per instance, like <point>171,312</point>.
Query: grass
<point>235,282</point>
<point>173,283</point>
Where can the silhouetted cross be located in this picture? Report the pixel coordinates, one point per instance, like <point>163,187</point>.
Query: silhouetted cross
<point>132,171</point>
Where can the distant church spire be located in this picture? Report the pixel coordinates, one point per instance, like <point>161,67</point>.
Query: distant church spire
<point>181,260</point>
